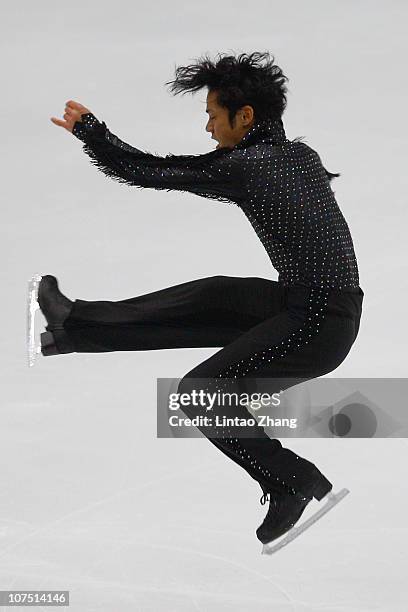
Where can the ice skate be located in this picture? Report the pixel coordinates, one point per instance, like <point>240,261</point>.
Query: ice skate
<point>33,341</point>
<point>284,512</point>
<point>43,294</point>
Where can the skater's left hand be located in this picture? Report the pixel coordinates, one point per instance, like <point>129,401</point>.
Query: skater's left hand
<point>73,112</point>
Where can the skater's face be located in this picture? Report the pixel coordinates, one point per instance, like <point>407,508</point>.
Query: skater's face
<point>219,126</point>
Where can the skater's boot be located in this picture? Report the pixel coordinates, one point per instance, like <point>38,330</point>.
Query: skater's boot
<point>318,488</point>
<point>55,307</point>
<point>286,505</point>
<point>285,509</point>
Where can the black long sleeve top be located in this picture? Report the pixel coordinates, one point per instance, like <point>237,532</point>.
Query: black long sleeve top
<point>280,185</point>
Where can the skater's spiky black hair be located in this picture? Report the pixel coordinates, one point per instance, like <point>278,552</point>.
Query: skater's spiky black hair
<point>238,81</point>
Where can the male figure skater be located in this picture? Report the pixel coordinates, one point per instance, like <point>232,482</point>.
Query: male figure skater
<point>297,328</point>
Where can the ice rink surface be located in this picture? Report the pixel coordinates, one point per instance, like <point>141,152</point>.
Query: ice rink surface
<point>93,503</point>
<point>91,500</point>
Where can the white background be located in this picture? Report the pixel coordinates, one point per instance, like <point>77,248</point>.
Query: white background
<point>91,501</point>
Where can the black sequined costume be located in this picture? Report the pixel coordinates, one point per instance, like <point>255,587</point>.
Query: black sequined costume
<point>297,328</point>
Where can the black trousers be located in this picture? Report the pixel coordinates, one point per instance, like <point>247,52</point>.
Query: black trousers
<point>267,330</point>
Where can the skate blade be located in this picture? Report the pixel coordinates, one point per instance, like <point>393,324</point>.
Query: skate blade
<point>332,500</point>
<point>33,343</point>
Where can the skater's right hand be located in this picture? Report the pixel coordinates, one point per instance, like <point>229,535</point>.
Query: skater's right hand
<point>73,112</point>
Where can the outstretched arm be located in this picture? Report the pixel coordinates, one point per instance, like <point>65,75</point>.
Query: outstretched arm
<point>216,175</point>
